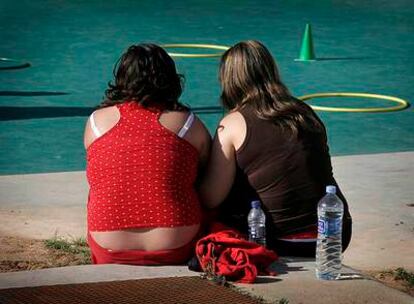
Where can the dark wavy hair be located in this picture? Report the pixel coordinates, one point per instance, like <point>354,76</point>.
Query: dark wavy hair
<point>146,74</point>
<point>249,75</point>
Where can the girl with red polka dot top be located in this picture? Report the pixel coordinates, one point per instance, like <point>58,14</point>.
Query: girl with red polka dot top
<point>144,154</point>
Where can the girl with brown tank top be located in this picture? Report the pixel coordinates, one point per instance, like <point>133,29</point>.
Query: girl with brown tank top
<point>271,146</point>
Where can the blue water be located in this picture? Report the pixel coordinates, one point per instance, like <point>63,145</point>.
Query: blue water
<point>367,46</point>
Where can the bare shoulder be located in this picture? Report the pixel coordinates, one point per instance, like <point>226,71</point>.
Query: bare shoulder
<point>173,120</point>
<point>199,136</point>
<point>200,128</point>
<point>174,114</point>
<point>106,113</point>
<point>104,119</point>
<point>233,128</point>
<point>233,119</point>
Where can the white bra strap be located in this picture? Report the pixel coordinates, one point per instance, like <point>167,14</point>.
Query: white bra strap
<point>187,125</point>
<point>93,125</point>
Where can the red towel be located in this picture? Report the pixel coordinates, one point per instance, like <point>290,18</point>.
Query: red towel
<point>228,253</point>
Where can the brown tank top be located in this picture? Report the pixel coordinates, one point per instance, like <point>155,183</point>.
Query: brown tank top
<point>288,174</point>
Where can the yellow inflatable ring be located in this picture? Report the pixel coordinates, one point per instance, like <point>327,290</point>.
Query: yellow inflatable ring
<point>402,104</point>
<point>195,46</point>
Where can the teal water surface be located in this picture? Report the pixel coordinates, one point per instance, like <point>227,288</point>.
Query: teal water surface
<point>364,46</point>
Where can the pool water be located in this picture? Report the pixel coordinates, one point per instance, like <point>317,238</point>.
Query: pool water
<point>364,46</point>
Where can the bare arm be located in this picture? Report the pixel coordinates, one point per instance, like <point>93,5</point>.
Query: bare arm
<point>204,145</point>
<point>88,136</point>
<point>221,168</point>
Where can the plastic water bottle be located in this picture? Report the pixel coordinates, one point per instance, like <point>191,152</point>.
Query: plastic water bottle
<point>329,244</point>
<point>257,224</point>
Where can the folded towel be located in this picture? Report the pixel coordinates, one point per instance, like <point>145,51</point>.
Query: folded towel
<point>226,252</point>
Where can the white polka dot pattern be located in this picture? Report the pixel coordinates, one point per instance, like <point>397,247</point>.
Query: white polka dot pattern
<point>141,175</point>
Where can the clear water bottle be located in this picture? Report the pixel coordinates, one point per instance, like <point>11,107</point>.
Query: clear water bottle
<point>257,224</point>
<point>329,244</point>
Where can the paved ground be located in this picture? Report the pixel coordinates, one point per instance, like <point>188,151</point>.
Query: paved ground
<point>380,191</point>
<point>41,205</point>
<point>379,188</point>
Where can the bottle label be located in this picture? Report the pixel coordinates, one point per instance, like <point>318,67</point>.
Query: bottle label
<point>329,226</point>
<point>257,232</point>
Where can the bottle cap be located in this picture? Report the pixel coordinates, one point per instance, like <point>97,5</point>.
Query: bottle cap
<point>331,189</point>
<point>255,204</point>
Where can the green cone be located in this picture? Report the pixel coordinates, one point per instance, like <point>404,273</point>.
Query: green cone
<point>307,52</point>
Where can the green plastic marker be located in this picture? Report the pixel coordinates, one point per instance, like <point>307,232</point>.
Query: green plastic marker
<point>307,52</point>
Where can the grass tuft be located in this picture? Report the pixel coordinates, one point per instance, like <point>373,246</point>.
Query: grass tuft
<point>404,275</point>
<point>77,247</point>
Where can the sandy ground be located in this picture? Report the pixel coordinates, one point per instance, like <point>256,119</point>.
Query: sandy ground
<point>18,254</point>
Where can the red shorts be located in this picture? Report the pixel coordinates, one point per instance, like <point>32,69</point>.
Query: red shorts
<point>181,255</point>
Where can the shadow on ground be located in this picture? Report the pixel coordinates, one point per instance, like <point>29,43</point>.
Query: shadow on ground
<point>282,265</point>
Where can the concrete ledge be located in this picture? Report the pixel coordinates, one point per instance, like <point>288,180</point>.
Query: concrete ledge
<point>89,274</point>
<point>296,282</point>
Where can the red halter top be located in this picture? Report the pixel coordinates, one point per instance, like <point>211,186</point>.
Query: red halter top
<point>141,175</point>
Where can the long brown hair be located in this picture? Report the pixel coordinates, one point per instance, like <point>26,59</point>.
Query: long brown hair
<point>249,76</point>
<point>146,74</point>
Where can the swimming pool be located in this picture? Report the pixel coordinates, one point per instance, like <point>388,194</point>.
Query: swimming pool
<point>72,46</point>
